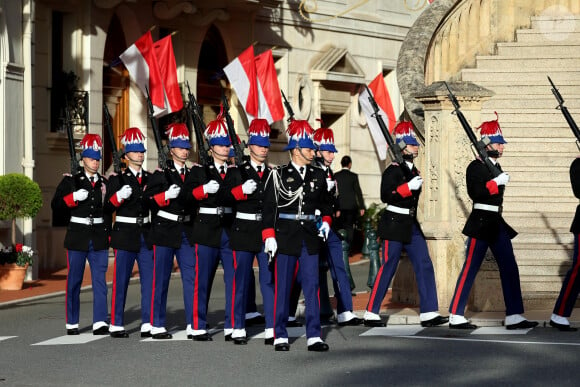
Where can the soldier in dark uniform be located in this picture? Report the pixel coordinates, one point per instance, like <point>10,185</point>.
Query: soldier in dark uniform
<point>294,193</point>
<point>129,233</point>
<point>486,228</point>
<point>171,230</point>
<point>571,285</point>
<point>332,251</point>
<point>217,187</point>
<point>87,236</point>
<point>245,237</point>
<point>399,229</point>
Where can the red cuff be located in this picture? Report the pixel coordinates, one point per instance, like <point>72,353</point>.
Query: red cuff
<point>404,190</point>
<point>268,233</point>
<point>198,193</point>
<point>68,199</point>
<point>238,193</point>
<point>492,187</point>
<point>160,199</point>
<point>114,201</point>
<point>327,219</point>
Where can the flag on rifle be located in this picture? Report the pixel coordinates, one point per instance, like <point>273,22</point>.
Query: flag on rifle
<point>241,73</point>
<point>270,100</point>
<point>387,109</point>
<point>168,70</point>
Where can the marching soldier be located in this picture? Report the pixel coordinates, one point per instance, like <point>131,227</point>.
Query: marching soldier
<point>332,251</point>
<point>399,229</point>
<point>486,228</point>
<point>294,193</point>
<point>171,230</point>
<point>245,237</point>
<point>129,233</point>
<point>87,235</point>
<point>216,187</point>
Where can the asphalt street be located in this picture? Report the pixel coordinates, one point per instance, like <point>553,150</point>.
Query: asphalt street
<point>34,351</point>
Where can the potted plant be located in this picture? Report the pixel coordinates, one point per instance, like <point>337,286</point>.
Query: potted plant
<point>20,197</point>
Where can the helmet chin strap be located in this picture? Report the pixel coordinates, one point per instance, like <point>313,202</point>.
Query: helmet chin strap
<point>257,156</point>
<point>304,157</point>
<point>178,158</point>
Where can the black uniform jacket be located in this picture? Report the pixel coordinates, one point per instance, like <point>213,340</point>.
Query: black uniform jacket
<point>332,194</point>
<point>483,224</point>
<point>166,232</point>
<point>290,234</point>
<point>207,229</point>
<point>246,235</point>
<point>575,180</point>
<point>394,191</point>
<point>127,236</point>
<point>349,193</point>
<point>79,235</point>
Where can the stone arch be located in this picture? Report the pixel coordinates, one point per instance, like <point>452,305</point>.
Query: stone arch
<point>212,59</point>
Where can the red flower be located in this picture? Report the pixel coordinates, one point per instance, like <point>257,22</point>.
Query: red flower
<point>18,247</point>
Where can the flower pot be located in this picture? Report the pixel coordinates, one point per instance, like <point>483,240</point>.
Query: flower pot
<point>12,276</point>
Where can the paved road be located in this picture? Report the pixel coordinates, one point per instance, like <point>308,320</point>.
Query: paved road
<point>33,351</point>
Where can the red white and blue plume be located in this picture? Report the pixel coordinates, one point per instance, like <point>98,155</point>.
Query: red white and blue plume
<point>133,140</point>
<point>259,132</point>
<point>492,130</point>
<point>300,135</point>
<point>324,138</point>
<point>178,135</point>
<point>217,131</point>
<point>404,132</point>
<point>91,145</point>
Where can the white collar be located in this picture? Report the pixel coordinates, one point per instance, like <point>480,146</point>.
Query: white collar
<point>134,172</point>
<point>297,166</point>
<point>96,176</point>
<point>220,165</point>
<point>410,165</point>
<point>256,165</point>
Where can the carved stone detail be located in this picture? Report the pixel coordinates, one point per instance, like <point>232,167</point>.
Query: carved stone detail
<point>108,4</point>
<point>164,10</point>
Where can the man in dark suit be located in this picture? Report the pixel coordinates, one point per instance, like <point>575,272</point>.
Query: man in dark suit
<point>171,230</point>
<point>350,199</point>
<point>87,235</point>
<point>399,229</point>
<point>294,193</point>
<point>485,228</point>
<point>129,233</point>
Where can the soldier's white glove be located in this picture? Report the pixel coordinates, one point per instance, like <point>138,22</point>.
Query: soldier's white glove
<point>270,246</point>
<point>80,195</point>
<point>172,192</point>
<point>415,183</point>
<point>211,187</point>
<point>249,187</point>
<point>124,192</point>
<point>324,230</point>
<point>502,178</point>
<point>330,184</point>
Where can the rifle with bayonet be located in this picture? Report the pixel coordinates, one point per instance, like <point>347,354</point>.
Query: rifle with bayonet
<point>75,166</point>
<point>479,146</point>
<point>566,113</point>
<point>238,146</point>
<point>117,164</point>
<point>162,151</point>
<point>196,122</point>
<point>288,108</point>
<point>396,150</point>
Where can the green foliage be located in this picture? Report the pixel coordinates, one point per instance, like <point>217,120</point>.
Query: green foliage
<point>18,254</point>
<point>20,197</point>
<point>373,213</point>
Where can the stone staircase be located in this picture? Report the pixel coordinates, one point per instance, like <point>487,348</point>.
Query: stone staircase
<point>539,202</point>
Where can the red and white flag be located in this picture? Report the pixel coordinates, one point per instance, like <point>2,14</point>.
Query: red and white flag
<point>141,62</point>
<point>270,97</point>
<point>168,70</point>
<point>241,73</point>
<point>388,110</point>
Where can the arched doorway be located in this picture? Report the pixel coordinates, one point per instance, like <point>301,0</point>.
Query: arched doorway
<point>212,60</point>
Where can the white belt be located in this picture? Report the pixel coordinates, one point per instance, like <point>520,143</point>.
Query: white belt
<point>398,210</point>
<point>127,219</point>
<point>485,207</point>
<point>215,211</point>
<point>87,221</point>
<point>246,216</point>
<point>175,218</point>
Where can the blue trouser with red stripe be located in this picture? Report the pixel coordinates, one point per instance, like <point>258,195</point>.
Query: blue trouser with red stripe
<point>124,262</point>
<point>508,270</point>
<point>284,276</point>
<point>570,287</point>
<point>266,287</point>
<point>163,266</point>
<point>333,254</point>
<point>422,266</point>
<point>98,262</point>
<point>207,259</point>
